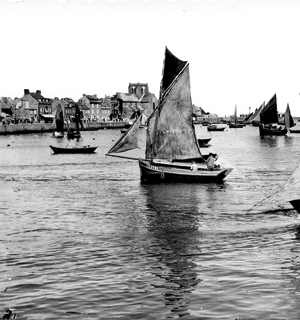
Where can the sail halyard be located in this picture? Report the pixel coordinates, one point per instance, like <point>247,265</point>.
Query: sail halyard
<point>129,140</point>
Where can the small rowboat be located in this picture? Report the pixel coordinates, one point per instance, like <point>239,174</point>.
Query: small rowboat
<point>84,149</point>
<point>214,127</point>
<point>294,130</point>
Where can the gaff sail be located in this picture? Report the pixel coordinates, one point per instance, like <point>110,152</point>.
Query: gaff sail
<point>171,133</point>
<point>256,114</point>
<point>269,113</point>
<point>129,140</point>
<point>288,119</point>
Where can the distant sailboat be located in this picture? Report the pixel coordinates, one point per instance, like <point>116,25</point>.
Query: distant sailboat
<point>254,120</point>
<point>58,122</point>
<point>171,143</point>
<point>269,120</point>
<point>235,123</point>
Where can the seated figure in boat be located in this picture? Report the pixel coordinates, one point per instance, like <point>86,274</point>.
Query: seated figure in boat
<point>211,161</point>
<point>194,167</point>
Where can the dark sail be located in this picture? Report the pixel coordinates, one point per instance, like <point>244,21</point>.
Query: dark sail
<point>288,119</point>
<point>248,116</point>
<point>59,118</point>
<point>170,133</point>
<point>171,69</point>
<point>256,115</point>
<point>128,140</point>
<point>269,113</point>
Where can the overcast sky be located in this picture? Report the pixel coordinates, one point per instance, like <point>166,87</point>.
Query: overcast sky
<point>240,52</point>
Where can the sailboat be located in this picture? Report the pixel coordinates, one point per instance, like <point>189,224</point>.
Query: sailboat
<point>235,124</point>
<point>269,120</point>
<point>171,143</point>
<point>254,120</point>
<point>58,122</point>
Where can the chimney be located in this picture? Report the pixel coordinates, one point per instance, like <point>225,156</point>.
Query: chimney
<point>38,91</point>
<point>26,91</point>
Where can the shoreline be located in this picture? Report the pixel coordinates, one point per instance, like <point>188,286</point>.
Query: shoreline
<point>24,128</point>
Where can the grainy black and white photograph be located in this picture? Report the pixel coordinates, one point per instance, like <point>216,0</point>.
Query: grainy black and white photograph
<point>150,159</point>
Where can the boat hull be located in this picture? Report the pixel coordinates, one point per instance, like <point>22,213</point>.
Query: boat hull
<point>215,128</point>
<point>73,135</point>
<point>296,204</point>
<point>236,125</point>
<point>73,150</point>
<point>172,173</point>
<point>271,132</point>
<point>294,130</point>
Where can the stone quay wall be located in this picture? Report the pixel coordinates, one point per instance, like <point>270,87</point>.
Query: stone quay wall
<point>46,127</point>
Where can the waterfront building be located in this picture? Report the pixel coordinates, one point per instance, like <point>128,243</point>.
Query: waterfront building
<point>40,108</point>
<point>125,106</point>
<point>147,100</point>
<point>138,99</point>
<point>66,103</point>
<point>7,107</point>
<point>107,107</point>
<point>91,107</point>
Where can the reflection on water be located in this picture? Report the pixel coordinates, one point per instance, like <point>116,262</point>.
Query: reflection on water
<point>175,232</point>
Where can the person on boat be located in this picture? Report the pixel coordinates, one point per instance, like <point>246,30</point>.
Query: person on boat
<point>194,167</point>
<point>210,162</point>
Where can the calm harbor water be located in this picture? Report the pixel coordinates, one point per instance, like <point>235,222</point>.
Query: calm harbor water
<point>82,238</point>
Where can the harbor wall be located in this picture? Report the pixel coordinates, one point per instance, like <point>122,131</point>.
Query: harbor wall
<point>46,127</point>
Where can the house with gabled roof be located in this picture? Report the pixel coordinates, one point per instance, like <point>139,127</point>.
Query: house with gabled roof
<point>39,107</point>
<point>92,106</point>
<point>125,105</point>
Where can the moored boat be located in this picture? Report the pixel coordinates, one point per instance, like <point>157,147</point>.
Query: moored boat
<point>269,120</point>
<point>83,149</point>
<point>235,123</point>
<point>294,130</point>
<point>58,122</point>
<point>171,143</point>
<point>72,134</point>
<point>214,127</point>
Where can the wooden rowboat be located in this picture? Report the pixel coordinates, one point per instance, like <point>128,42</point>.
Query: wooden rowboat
<point>214,127</point>
<point>84,149</point>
